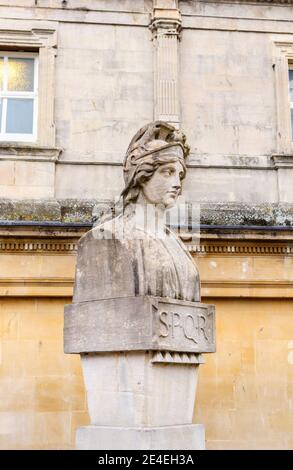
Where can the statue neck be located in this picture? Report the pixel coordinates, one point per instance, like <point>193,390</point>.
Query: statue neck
<point>147,216</point>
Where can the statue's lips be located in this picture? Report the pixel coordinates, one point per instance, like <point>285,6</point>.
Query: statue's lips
<point>172,193</point>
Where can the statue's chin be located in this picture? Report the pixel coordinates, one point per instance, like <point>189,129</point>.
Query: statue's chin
<point>170,202</point>
<point>163,204</point>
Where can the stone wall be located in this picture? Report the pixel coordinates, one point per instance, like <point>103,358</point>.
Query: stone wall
<point>103,92</point>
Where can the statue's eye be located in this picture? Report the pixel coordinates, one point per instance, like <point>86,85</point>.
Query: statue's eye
<point>167,171</point>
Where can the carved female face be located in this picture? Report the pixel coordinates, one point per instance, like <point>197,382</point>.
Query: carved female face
<point>165,184</point>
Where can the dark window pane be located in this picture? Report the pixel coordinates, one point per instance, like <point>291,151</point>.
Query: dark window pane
<point>1,72</point>
<point>19,116</point>
<point>291,84</point>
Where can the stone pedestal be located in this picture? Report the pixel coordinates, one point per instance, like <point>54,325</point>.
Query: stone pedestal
<point>140,358</point>
<point>184,437</point>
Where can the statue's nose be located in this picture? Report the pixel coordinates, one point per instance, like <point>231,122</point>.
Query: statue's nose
<point>177,183</point>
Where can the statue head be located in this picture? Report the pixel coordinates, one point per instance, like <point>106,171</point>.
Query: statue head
<point>154,165</point>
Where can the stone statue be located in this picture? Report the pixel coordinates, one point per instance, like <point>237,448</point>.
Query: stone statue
<point>151,258</point>
<point>136,317</point>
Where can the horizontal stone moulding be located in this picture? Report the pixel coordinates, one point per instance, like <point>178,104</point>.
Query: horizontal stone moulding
<point>226,248</point>
<point>14,151</point>
<point>139,323</point>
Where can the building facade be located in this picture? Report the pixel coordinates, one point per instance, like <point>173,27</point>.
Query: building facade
<point>78,79</point>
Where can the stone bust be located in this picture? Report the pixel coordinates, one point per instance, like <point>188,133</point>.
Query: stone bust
<point>135,254</point>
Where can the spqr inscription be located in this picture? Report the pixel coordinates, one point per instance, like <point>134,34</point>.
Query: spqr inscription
<point>192,327</point>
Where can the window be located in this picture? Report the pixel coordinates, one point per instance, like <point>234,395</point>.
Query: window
<point>18,97</point>
<point>27,104</point>
<point>283,62</point>
<point>291,96</point>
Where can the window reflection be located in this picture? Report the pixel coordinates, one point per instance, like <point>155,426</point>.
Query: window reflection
<point>291,84</point>
<point>291,98</point>
<point>19,116</point>
<point>18,97</point>
<point>1,72</point>
<point>20,74</point>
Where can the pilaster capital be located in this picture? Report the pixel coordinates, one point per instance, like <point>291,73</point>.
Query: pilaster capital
<point>166,18</point>
<point>164,27</point>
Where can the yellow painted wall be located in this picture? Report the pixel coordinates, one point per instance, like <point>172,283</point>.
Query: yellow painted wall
<point>245,394</point>
<point>42,397</point>
<point>245,389</point>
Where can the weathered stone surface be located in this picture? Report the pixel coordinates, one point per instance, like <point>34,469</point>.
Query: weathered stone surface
<point>247,214</point>
<point>75,210</point>
<point>28,152</point>
<point>224,184</point>
<point>231,185</point>
<point>117,259</point>
<point>88,181</point>
<point>96,211</point>
<point>184,437</point>
<point>143,323</point>
<point>26,179</point>
<point>34,210</point>
<point>94,121</point>
<point>128,389</point>
<point>285,183</point>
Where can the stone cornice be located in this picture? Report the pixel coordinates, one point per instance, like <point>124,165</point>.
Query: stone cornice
<point>33,245</point>
<point>28,36</point>
<point>56,213</point>
<point>226,246</point>
<point>277,2</point>
<point>283,161</point>
<point>13,151</point>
